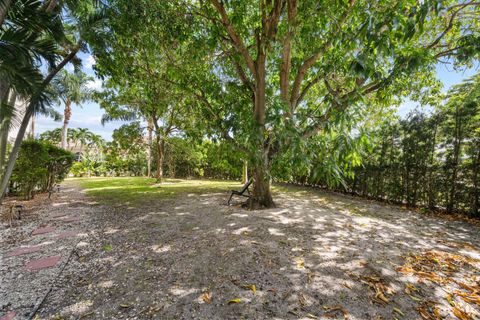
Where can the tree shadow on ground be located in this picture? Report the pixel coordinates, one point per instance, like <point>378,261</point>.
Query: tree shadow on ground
<point>318,257</point>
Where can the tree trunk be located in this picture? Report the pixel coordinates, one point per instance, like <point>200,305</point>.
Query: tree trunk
<point>149,148</point>
<point>51,6</point>
<point>160,157</point>
<point>476,191</point>
<point>67,113</point>
<point>262,195</point>
<point>431,182</point>
<point>16,149</point>
<point>32,127</point>
<point>3,145</point>
<point>456,157</point>
<point>245,172</point>
<point>4,10</point>
<point>4,129</point>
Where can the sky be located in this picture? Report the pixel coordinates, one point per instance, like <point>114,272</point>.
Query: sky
<point>448,76</point>
<point>89,115</point>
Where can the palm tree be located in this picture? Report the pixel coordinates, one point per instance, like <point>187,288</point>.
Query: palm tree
<point>71,88</point>
<point>54,136</point>
<point>34,40</point>
<point>7,120</point>
<point>30,37</point>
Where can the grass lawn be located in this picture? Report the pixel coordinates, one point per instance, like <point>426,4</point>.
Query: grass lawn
<point>139,189</point>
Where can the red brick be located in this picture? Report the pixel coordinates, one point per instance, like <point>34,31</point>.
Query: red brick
<point>69,219</point>
<point>42,230</point>
<point>42,263</point>
<point>10,315</point>
<point>58,215</point>
<point>24,250</point>
<point>67,234</point>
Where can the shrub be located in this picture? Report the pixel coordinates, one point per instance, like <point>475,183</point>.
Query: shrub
<point>59,163</point>
<point>78,169</point>
<point>39,166</point>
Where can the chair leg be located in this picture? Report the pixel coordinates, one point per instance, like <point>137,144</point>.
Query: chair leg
<point>230,199</point>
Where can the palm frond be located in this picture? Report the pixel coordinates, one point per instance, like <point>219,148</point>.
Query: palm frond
<point>119,116</point>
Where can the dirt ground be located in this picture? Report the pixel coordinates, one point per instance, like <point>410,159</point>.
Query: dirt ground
<point>315,256</point>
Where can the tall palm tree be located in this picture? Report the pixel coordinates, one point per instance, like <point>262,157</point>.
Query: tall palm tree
<point>71,88</point>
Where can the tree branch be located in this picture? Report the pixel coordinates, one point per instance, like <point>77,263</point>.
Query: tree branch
<point>448,28</point>
<point>287,51</point>
<point>310,61</point>
<point>236,39</point>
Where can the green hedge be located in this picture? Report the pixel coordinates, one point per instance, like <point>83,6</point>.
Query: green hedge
<point>39,166</point>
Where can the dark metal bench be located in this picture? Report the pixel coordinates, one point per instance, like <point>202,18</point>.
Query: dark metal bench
<point>241,193</point>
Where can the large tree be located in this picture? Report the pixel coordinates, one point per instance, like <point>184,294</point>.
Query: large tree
<point>353,50</point>
<point>273,74</point>
<point>134,65</point>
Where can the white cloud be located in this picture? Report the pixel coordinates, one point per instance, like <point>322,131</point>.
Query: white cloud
<point>95,85</point>
<point>90,61</point>
<point>69,67</point>
<point>83,120</point>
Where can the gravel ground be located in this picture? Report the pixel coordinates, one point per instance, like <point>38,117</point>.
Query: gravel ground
<point>315,256</point>
<point>20,289</point>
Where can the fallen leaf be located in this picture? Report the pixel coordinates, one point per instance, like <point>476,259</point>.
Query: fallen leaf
<point>450,300</point>
<point>428,310</point>
<point>382,297</point>
<point>410,288</point>
<point>346,285</point>
<point>88,314</point>
<point>125,305</point>
<point>310,277</point>
<point>414,298</point>
<point>251,287</point>
<point>207,297</point>
<point>330,312</point>
<point>300,263</point>
<point>302,300</point>
<point>460,314</point>
<point>236,300</point>
<point>311,316</point>
<point>293,312</point>
<point>107,247</point>
<point>469,297</point>
<point>399,312</point>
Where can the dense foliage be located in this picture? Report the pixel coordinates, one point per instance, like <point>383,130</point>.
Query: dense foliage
<point>274,78</point>
<point>430,160</point>
<point>77,139</point>
<point>128,152</point>
<point>39,166</point>
<point>38,38</point>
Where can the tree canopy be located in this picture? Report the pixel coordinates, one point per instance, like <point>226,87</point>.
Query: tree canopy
<point>275,77</point>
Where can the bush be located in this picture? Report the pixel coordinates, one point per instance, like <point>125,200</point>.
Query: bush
<point>78,169</point>
<point>39,166</point>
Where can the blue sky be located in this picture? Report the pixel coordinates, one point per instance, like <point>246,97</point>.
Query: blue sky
<point>448,76</point>
<point>86,116</point>
<point>90,114</point>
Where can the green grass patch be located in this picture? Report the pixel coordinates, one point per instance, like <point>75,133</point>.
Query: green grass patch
<point>138,189</point>
<point>107,247</point>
